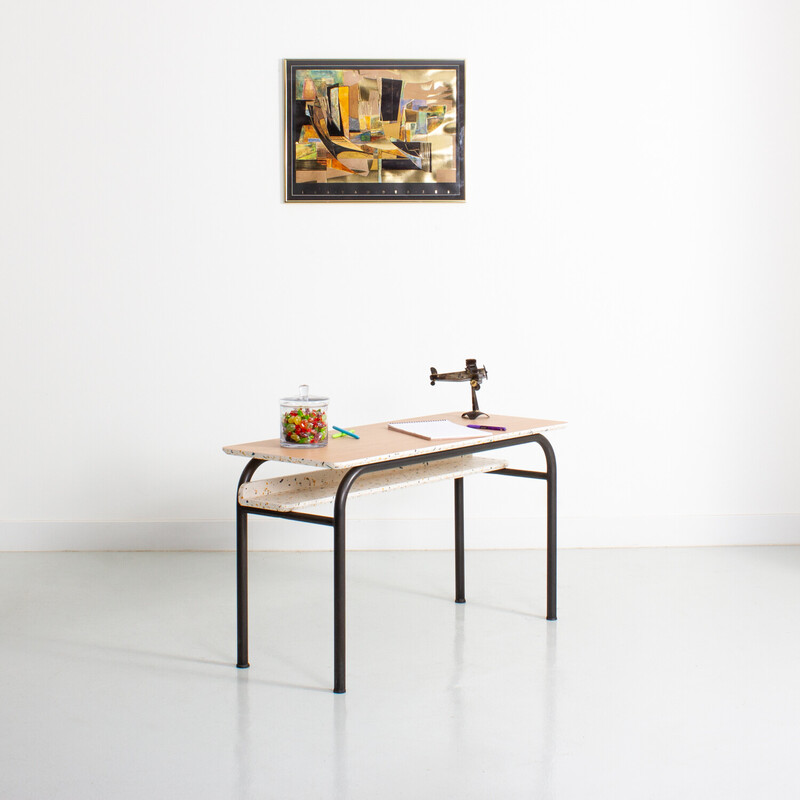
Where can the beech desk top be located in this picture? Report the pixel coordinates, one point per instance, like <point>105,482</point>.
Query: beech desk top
<point>378,443</point>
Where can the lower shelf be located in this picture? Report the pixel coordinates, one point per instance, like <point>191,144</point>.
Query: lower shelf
<point>293,492</point>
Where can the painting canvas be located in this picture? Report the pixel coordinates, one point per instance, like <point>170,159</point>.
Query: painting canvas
<point>374,130</point>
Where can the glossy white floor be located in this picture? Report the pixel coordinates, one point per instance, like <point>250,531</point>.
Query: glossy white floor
<point>671,673</point>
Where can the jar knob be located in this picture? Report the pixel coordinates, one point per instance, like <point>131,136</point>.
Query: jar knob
<point>304,392</point>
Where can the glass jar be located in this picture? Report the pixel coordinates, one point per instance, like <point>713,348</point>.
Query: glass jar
<point>304,420</point>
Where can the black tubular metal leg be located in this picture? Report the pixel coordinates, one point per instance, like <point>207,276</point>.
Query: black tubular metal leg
<point>339,578</point>
<point>550,460</point>
<point>459,548</point>
<point>339,608</point>
<point>241,567</point>
<point>550,477</point>
<point>241,588</point>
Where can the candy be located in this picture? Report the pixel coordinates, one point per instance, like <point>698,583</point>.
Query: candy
<point>304,425</point>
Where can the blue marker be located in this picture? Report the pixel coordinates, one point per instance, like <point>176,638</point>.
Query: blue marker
<point>346,433</point>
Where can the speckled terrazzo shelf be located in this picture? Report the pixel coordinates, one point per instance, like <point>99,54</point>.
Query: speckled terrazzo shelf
<point>292,492</point>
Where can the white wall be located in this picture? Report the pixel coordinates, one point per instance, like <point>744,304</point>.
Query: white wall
<point>627,260</point>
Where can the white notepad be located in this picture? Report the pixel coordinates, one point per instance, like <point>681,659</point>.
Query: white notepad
<point>437,429</point>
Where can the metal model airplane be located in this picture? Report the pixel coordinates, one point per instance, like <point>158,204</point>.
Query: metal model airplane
<point>474,374</point>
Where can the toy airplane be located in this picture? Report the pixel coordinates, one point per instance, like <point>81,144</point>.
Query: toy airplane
<point>474,374</point>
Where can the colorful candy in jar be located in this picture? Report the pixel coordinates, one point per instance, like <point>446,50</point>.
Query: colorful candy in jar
<point>305,425</point>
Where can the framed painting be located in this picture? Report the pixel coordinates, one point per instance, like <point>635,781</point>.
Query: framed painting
<point>374,130</point>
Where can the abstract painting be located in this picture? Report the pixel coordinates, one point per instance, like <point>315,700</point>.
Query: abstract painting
<point>374,130</point>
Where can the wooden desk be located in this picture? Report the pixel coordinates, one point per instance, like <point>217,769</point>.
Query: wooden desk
<point>381,460</point>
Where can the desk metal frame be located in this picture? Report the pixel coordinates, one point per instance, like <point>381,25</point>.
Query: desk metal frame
<point>337,522</point>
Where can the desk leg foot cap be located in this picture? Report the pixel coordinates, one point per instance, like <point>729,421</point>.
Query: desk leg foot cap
<point>242,666</point>
<point>339,691</point>
<point>460,601</point>
<point>552,619</point>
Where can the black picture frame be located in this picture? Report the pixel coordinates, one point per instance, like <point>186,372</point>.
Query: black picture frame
<point>406,179</point>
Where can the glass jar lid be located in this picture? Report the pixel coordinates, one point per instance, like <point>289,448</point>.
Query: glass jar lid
<point>303,397</point>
